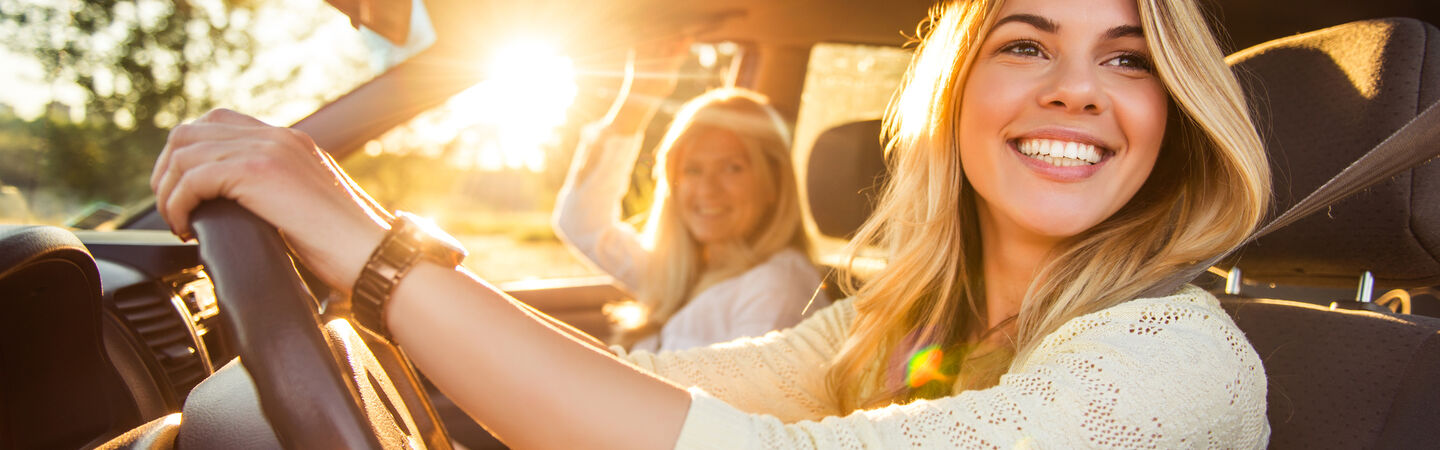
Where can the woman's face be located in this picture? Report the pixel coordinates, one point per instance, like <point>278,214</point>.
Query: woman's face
<point>1062,117</point>
<point>720,196</point>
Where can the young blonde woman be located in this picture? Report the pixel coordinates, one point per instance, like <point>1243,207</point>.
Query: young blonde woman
<point>1052,160</point>
<point>722,254</point>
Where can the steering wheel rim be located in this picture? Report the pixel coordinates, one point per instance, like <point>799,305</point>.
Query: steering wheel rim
<point>306,371</point>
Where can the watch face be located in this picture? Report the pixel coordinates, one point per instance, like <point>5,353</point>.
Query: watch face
<point>436,244</point>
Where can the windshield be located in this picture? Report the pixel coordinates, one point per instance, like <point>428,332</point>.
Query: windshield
<point>92,89</point>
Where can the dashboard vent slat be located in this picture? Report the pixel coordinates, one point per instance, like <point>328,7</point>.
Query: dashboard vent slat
<point>160,323</point>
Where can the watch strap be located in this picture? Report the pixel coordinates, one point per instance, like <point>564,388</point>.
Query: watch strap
<point>408,242</point>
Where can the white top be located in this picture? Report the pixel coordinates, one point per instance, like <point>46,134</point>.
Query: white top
<point>1169,372</point>
<point>769,296</point>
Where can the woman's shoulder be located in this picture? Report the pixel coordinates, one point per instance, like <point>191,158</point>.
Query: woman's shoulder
<point>1186,305</point>
<point>1191,317</point>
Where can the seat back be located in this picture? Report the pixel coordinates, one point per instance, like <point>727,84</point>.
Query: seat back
<point>1325,98</point>
<point>1338,378</point>
<point>1345,379</point>
<point>58,388</point>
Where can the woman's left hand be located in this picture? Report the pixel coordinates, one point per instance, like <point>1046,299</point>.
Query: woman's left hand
<point>278,174</point>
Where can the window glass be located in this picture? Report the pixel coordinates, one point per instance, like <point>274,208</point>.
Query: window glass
<point>92,89</point>
<point>487,164</point>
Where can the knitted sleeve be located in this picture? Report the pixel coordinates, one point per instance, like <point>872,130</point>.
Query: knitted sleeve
<point>1171,372</point>
<point>587,210</point>
<point>780,374</point>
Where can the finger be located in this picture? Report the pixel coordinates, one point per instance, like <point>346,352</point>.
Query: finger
<point>205,182</point>
<point>226,116</point>
<point>191,133</point>
<point>191,157</point>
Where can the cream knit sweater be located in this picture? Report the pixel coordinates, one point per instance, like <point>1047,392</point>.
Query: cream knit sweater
<point>1170,372</point>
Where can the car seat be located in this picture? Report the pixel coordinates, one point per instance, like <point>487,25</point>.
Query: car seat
<point>1338,378</point>
<point>1345,378</point>
<point>58,386</point>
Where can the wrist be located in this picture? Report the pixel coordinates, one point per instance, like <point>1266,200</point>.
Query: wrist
<point>410,241</point>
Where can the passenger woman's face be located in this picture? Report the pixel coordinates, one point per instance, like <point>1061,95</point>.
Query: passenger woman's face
<point>719,194</point>
<point>1061,117</point>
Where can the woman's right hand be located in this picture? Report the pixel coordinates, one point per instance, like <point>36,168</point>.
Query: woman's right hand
<point>652,71</point>
<point>280,175</point>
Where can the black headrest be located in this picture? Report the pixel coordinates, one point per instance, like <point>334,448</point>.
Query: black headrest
<point>1323,99</point>
<point>843,176</point>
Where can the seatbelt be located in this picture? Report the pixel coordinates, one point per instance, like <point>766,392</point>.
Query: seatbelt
<point>1403,149</point>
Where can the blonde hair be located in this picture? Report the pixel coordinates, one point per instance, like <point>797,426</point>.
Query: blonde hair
<point>674,271</point>
<point>1208,190</point>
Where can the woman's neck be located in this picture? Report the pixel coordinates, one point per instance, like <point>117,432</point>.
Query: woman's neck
<point>716,262</point>
<point>718,256</point>
<point>1011,257</point>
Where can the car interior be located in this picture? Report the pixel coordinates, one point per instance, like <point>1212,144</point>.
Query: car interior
<point>130,338</point>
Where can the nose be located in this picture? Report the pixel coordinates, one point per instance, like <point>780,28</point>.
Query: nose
<point>706,183</point>
<point>1075,88</point>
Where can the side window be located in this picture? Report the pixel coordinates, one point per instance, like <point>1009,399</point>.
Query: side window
<point>844,83</point>
<point>487,164</point>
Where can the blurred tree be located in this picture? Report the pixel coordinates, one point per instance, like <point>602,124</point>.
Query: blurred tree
<point>142,65</point>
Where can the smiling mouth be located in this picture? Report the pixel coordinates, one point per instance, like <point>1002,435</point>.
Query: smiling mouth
<point>710,211</point>
<point>1060,153</point>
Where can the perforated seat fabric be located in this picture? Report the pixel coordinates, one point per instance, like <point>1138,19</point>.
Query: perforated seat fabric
<point>1345,379</point>
<point>1324,98</point>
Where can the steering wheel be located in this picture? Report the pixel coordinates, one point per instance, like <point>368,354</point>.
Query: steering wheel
<point>321,383</point>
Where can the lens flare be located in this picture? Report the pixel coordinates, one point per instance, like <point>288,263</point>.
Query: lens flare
<point>924,367</point>
<point>627,315</point>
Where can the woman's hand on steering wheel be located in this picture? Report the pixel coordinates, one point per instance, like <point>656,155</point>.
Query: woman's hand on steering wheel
<point>278,174</point>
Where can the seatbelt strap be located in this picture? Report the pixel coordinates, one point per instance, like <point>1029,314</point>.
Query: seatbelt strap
<point>1411,145</point>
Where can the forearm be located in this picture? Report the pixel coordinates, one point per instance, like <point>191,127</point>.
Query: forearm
<point>529,382</point>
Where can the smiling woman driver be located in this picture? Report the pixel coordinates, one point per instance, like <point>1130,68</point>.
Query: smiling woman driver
<point>1051,160</point>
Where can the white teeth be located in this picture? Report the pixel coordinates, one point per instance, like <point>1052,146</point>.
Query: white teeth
<point>1060,153</point>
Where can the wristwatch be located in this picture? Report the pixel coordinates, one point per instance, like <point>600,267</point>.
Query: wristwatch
<point>411,239</point>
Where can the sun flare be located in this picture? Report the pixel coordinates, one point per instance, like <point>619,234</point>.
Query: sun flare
<point>505,121</point>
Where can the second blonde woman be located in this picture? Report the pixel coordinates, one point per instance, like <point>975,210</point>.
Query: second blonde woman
<point>722,253</point>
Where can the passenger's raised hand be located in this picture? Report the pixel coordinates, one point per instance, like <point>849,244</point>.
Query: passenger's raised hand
<point>278,174</point>
<point>652,71</point>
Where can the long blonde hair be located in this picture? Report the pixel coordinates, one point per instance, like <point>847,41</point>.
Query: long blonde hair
<point>674,270</point>
<point>1209,189</point>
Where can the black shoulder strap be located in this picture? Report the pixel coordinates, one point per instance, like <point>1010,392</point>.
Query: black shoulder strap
<point>1414,143</point>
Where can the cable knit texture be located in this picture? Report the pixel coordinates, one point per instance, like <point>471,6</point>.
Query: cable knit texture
<point>1169,372</point>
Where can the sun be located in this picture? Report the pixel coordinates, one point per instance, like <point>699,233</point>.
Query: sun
<point>505,120</point>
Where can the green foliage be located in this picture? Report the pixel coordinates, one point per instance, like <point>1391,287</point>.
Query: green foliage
<point>141,65</point>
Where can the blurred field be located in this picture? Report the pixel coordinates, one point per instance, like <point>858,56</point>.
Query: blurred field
<point>514,246</point>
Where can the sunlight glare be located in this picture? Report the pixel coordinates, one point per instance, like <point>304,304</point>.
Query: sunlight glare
<point>515,110</point>
<point>628,315</point>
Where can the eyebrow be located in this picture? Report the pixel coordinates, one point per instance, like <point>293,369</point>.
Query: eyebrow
<point>1049,26</point>
<point>1038,22</point>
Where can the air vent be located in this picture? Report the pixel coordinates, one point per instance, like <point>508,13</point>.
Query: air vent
<point>163,323</point>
